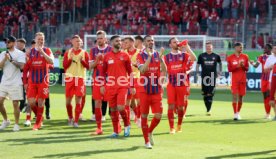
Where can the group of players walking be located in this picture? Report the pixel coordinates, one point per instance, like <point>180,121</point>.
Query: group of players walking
<point>129,74</point>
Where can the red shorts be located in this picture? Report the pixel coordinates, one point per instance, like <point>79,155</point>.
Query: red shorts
<point>116,96</point>
<point>136,95</point>
<point>96,93</point>
<point>153,101</point>
<point>239,88</point>
<point>187,90</point>
<point>265,86</point>
<point>75,87</point>
<point>38,91</point>
<point>176,95</point>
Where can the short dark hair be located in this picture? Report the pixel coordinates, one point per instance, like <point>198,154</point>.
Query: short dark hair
<point>269,46</point>
<point>33,41</point>
<point>147,37</point>
<point>22,40</point>
<point>130,38</point>
<point>238,44</point>
<point>139,37</point>
<point>114,37</point>
<point>170,40</point>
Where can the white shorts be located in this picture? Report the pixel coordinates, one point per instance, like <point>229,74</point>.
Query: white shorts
<point>12,92</point>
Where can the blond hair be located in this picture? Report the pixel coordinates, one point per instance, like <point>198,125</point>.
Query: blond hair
<point>39,34</point>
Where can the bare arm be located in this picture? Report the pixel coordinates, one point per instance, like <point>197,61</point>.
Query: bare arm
<point>190,52</point>
<point>145,66</point>
<point>255,64</point>
<point>19,65</point>
<point>48,58</point>
<point>93,64</point>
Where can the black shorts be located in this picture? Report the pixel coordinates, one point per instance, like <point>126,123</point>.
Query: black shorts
<point>208,86</point>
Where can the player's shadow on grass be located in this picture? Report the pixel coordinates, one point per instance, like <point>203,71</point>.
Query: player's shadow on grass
<point>228,121</point>
<point>88,153</point>
<point>69,139</point>
<point>55,140</point>
<point>250,154</point>
<point>54,124</point>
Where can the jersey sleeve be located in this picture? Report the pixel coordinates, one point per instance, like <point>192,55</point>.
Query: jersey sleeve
<point>229,64</point>
<point>85,62</point>
<point>199,61</point>
<point>128,65</point>
<point>22,58</point>
<point>186,58</point>
<point>92,56</point>
<point>66,62</point>
<point>218,59</point>
<point>49,52</point>
<point>140,61</point>
<point>246,64</point>
<point>260,59</point>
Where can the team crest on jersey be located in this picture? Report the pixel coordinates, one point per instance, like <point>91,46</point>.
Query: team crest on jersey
<point>204,58</point>
<point>234,62</point>
<point>213,58</point>
<point>121,58</point>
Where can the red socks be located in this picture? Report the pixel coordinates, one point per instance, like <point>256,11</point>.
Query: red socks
<point>235,107</point>
<point>239,106</point>
<point>137,111</point>
<point>77,112</point>
<point>267,106</point>
<point>171,117</point>
<point>180,116</point>
<point>115,121</point>
<point>34,109</point>
<point>82,103</point>
<point>125,117</point>
<point>69,111</point>
<point>153,124</point>
<point>145,129</point>
<point>28,116</point>
<point>127,109</point>
<point>98,116</point>
<point>39,114</point>
<point>185,106</point>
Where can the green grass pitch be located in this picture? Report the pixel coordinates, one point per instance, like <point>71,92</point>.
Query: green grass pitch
<point>216,136</point>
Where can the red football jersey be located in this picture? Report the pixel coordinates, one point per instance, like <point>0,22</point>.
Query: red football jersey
<point>262,59</point>
<point>238,73</point>
<point>115,66</point>
<point>36,70</point>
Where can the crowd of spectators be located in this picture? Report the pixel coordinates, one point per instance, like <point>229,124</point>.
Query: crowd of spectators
<point>173,16</point>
